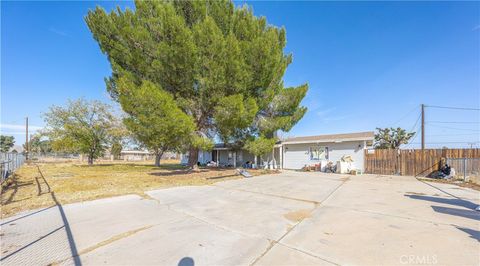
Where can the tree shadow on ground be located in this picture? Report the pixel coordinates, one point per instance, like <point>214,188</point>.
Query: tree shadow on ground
<point>470,214</point>
<point>473,233</point>
<point>467,210</point>
<point>178,172</point>
<point>456,201</point>
<point>153,167</point>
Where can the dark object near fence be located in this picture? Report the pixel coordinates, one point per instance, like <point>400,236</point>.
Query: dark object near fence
<point>444,172</point>
<point>9,162</point>
<point>416,162</point>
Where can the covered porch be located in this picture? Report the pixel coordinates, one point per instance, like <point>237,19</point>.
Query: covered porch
<point>225,157</point>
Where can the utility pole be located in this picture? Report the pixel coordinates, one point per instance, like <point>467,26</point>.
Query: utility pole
<point>423,126</point>
<point>26,138</point>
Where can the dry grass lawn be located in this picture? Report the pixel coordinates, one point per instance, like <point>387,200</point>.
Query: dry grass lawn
<point>45,184</point>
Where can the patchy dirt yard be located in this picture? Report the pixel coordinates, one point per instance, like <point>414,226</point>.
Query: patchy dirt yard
<point>33,184</point>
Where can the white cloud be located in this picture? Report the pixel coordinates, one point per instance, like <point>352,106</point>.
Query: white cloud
<point>18,127</point>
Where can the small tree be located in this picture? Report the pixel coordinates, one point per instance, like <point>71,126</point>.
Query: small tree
<point>391,138</point>
<point>6,143</point>
<point>39,144</point>
<point>260,146</point>
<point>81,126</point>
<point>120,138</point>
<point>116,149</point>
<point>154,118</point>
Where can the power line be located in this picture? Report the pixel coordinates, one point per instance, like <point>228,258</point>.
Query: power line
<point>403,117</point>
<point>416,131</point>
<point>455,128</point>
<point>449,142</point>
<point>438,135</point>
<point>453,108</point>
<point>416,122</point>
<point>451,122</point>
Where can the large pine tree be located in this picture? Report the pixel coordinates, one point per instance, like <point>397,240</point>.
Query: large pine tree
<point>222,65</point>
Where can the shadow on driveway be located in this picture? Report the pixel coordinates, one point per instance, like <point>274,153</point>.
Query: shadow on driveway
<point>73,248</point>
<point>467,210</point>
<point>475,234</point>
<point>456,202</point>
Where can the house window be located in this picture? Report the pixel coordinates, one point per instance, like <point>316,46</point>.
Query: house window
<point>318,153</point>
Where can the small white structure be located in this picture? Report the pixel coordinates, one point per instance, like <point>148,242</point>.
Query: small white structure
<point>135,155</point>
<point>295,153</point>
<point>311,150</point>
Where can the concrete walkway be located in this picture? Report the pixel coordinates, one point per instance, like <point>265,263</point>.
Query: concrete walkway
<point>291,218</point>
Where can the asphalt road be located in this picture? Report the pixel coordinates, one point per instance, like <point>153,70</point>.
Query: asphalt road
<point>291,218</point>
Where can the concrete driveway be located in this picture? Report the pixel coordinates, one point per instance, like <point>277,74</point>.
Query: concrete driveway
<point>291,218</point>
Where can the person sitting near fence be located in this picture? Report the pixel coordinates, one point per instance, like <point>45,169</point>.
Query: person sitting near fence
<point>247,164</point>
<point>446,169</point>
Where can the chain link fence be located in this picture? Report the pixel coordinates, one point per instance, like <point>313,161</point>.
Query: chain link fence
<point>466,168</point>
<point>53,156</point>
<point>9,162</point>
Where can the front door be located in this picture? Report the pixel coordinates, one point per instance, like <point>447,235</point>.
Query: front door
<point>214,155</point>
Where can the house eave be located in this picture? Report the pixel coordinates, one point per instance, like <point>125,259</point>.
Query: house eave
<point>327,141</point>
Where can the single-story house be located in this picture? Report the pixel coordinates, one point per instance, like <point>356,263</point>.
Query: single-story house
<point>297,152</point>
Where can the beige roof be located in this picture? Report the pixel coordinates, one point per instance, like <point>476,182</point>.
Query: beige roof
<point>332,138</point>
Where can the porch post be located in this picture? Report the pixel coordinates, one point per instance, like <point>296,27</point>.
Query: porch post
<point>280,156</point>
<point>234,159</point>
<point>273,165</point>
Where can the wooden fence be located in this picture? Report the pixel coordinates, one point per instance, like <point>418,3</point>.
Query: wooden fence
<point>412,162</point>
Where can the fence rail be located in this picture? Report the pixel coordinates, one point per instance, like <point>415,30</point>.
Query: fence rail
<point>413,162</point>
<point>9,162</point>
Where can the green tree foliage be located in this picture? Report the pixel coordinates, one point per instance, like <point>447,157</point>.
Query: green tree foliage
<point>39,144</point>
<point>260,146</point>
<point>116,149</point>
<point>233,117</point>
<point>82,126</point>
<point>6,143</point>
<point>154,118</point>
<point>391,138</point>
<point>222,65</point>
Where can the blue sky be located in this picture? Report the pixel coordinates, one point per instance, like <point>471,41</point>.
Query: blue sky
<point>368,64</point>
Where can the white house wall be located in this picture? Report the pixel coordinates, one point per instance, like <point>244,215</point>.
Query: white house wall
<point>204,156</point>
<point>297,156</point>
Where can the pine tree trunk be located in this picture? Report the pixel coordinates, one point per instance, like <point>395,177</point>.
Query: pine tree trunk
<point>193,158</point>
